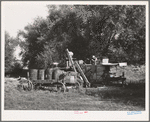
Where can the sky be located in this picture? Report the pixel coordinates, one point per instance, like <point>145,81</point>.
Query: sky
<point>18,14</point>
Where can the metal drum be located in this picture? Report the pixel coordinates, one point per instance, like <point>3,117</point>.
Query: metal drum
<point>33,74</point>
<point>41,73</point>
<point>49,73</point>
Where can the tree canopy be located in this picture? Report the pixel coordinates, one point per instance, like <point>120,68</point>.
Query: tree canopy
<point>115,31</point>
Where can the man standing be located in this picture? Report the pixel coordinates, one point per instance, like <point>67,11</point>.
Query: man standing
<point>94,59</point>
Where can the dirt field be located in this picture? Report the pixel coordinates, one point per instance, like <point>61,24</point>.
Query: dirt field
<point>94,99</point>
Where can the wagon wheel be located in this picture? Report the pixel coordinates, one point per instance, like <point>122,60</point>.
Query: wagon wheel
<point>30,85</point>
<point>24,87</point>
<point>34,85</point>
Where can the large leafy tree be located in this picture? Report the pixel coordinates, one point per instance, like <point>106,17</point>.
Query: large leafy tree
<point>116,31</point>
<point>35,36</point>
<point>131,38</point>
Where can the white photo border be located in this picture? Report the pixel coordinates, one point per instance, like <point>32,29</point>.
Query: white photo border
<point>40,115</point>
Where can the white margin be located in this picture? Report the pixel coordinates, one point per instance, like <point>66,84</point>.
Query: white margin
<point>18,115</point>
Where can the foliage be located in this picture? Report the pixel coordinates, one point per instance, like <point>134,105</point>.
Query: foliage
<point>9,49</point>
<point>34,41</point>
<point>17,69</point>
<point>115,31</point>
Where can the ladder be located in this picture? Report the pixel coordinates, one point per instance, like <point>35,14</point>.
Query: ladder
<point>76,65</point>
<point>82,73</point>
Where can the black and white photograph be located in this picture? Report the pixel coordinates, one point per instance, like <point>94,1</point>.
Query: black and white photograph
<point>79,60</point>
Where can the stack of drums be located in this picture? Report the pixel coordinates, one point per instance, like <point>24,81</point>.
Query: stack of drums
<point>41,73</point>
<point>49,72</point>
<point>33,74</point>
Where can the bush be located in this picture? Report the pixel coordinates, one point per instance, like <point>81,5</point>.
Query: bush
<point>17,69</point>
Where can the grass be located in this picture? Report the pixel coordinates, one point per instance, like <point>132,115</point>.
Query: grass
<point>129,95</point>
<point>133,74</point>
<point>95,99</point>
<point>110,98</point>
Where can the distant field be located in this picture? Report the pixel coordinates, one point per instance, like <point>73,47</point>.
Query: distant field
<point>94,99</point>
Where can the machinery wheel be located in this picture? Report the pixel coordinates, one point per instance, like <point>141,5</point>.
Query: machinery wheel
<point>30,85</point>
<point>60,87</point>
<point>25,87</point>
<point>78,86</point>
